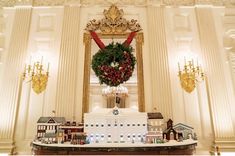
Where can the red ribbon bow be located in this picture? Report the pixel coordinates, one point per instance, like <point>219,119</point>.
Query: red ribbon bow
<point>101,45</point>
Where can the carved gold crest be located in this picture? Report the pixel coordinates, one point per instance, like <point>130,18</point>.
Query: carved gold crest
<point>187,81</point>
<point>113,23</point>
<point>39,82</point>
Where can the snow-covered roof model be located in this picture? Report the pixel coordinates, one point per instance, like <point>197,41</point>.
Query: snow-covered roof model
<point>51,120</point>
<point>156,115</point>
<point>182,125</point>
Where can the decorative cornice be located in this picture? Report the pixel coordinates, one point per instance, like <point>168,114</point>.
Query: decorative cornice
<point>178,2</point>
<point>12,3</point>
<point>199,2</point>
<point>116,2</point>
<point>48,2</point>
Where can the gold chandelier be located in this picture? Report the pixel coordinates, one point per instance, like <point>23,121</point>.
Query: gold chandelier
<point>37,75</point>
<point>190,75</point>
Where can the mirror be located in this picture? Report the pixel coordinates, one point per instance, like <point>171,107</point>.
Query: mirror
<point>113,28</point>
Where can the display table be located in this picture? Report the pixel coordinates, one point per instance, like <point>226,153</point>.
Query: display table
<point>186,147</point>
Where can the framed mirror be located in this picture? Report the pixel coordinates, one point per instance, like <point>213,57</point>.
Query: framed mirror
<point>113,28</point>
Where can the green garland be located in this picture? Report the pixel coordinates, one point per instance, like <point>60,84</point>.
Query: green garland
<point>114,64</point>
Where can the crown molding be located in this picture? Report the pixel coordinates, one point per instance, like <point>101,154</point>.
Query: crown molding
<point>199,2</point>
<point>116,2</point>
<point>12,3</point>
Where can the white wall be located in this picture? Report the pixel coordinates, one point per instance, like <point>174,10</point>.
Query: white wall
<point>182,36</point>
<point>178,35</point>
<point>44,39</point>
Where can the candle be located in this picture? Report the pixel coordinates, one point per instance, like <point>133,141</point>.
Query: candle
<point>48,67</point>
<point>179,66</point>
<point>33,67</point>
<point>41,59</point>
<point>30,59</point>
<point>24,68</point>
<point>197,62</point>
<point>192,63</point>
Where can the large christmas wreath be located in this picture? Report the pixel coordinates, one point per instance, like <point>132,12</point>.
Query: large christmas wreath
<point>113,64</point>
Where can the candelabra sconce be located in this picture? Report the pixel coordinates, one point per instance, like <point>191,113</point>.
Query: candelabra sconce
<point>190,75</point>
<point>37,75</point>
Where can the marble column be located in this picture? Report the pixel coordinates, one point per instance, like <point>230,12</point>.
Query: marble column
<point>10,85</point>
<point>161,89</point>
<point>212,63</point>
<point>68,64</point>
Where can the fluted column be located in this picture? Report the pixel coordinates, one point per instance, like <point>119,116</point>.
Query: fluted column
<point>68,62</point>
<point>11,75</point>
<point>212,61</point>
<point>161,90</point>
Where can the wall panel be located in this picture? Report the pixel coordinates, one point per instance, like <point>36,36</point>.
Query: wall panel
<point>44,40</point>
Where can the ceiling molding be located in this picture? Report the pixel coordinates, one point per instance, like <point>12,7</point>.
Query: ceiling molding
<point>116,2</point>
<point>12,3</point>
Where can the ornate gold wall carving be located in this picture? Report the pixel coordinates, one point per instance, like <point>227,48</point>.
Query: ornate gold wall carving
<point>113,23</point>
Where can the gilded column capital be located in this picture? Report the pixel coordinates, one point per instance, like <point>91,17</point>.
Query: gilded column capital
<point>86,38</point>
<point>139,38</point>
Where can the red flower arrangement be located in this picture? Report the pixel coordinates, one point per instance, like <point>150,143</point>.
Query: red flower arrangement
<point>113,64</point>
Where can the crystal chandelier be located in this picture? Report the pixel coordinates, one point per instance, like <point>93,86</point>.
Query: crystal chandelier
<point>115,91</point>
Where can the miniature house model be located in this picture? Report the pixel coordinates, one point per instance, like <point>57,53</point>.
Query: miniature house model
<point>155,127</point>
<point>170,133</point>
<point>115,125</point>
<point>183,130</point>
<point>70,130</point>
<point>48,125</point>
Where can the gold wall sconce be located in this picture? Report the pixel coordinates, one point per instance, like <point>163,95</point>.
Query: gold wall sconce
<point>190,75</point>
<point>37,75</point>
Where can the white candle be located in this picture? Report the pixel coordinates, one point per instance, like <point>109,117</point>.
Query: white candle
<point>179,66</point>
<point>24,68</point>
<point>48,67</point>
<point>34,67</point>
<point>41,60</point>
<point>30,60</point>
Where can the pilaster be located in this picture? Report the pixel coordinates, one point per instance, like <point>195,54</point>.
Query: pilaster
<point>218,95</point>
<point>68,62</point>
<point>11,77</point>
<point>161,90</point>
